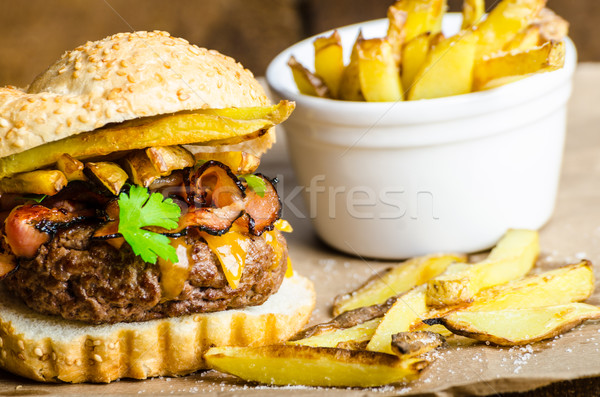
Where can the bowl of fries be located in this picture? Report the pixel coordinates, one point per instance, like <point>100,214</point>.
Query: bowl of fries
<point>398,160</point>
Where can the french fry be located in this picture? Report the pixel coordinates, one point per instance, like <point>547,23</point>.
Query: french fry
<point>472,12</point>
<point>526,39</point>
<point>378,72</point>
<point>139,168</point>
<point>548,57</point>
<point>313,366</point>
<point>512,258</point>
<point>166,159</point>
<point>71,167</point>
<point>107,174</point>
<point>416,343</point>
<point>308,83</point>
<point>350,83</point>
<point>333,338</point>
<point>414,54</point>
<point>567,284</point>
<point>329,61</point>
<point>48,182</point>
<point>517,326</point>
<point>394,281</point>
<point>552,27</point>
<point>422,16</point>
<point>347,319</point>
<point>239,162</point>
<point>409,308</point>
<point>396,33</point>
<point>448,69</point>
<point>507,19</point>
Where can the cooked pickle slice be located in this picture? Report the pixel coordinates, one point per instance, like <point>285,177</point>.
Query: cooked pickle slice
<point>238,162</point>
<point>107,174</point>
<point>47,182</point>
<point>166,159</point>
<point>72,168</point>
<point>206,126</point>
<point>140,169</point>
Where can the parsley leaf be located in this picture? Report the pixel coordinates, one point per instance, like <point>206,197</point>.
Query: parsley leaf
<point>140,209</point>
<point>256,183</point>
<point>36,198</point>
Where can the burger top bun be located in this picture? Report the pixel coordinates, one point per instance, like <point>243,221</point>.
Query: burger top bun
<point>122,77</point>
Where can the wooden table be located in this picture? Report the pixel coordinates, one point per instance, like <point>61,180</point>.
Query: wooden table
<point>572,233</point>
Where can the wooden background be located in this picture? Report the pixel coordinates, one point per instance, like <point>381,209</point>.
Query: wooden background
<point>34,33</point>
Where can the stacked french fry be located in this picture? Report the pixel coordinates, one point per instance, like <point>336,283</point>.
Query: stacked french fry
<point>415,60</point>
<point>384,331</point>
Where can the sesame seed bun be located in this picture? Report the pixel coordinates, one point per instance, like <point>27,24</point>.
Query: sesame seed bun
<point>119,78</point>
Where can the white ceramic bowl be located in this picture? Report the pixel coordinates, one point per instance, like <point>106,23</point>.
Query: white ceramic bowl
<point>393,180</point>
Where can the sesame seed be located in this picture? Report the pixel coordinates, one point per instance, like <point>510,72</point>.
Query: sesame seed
<point>19,143</point>
<point>97,342</point>
<point>75,75</point>
<point>69,122</point>
<point>30,100</point>
<point>115,46</point>
<point>77,362</point>
<point>62,70</point>
<point>130,78</point>
<point>53,356</point>
<point>3,123</point>
<point>121,72</point>
<point>123,63</point>
<point>77,65</point>
<point>83,118</point>
<point>121,110</point>
<point>38,352</point>
<point>21,356</point>
<point>39,120</point>
<point>24,107</point>
<point>97,358</point>
<point>58,111</point>
<point>111,345</point>
<point>72,101</point>
<point>19,124</point>
<point>167,65</point>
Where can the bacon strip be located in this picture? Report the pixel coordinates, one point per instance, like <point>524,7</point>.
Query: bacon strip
<point>29,226</point>
<point>262,211</point>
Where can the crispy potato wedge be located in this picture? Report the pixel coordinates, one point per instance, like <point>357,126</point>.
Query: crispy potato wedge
<point>338,337</point>
<point>507,19</point>
<point>416,343</point>
<point>307,82</point>
<point>48,182</point>
<point>329,61</point>
<point>395,280</point>
<point>567,284</point>
<point>408,309</point>
<point>422,16</point>
<point>350,83</point>
<point>396,34</point>
<point>313,366</point>
<point>207,126</point>
<point>547,57</point>
<point>552,26</point>
<point>238,162</point>
<point>167,159</point>
<point>107,175</point>
<point>448,68</point>
<point>511,327</point>
<point>347,319</point>
<point>414,54</point>
<point>140,169</point>
<point>526,39</point>
<point>72,168</point>
<point>512,258</point>
<point>378,71</point>
<point>472,12</point>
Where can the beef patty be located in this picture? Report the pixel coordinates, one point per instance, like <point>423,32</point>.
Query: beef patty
<point>88,280</point>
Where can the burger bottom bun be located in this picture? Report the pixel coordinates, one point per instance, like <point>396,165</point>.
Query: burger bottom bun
<point>51,349</point>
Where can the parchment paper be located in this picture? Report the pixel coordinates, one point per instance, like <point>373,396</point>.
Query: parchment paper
<point>572,234</point>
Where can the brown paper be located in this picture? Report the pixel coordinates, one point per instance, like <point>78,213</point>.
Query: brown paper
<point>572,234</point>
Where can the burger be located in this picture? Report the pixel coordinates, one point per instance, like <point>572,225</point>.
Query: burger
<point>136,232</point>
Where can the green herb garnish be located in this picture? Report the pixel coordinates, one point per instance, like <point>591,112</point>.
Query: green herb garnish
<point>140,209</point>
<point>256,183</point>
